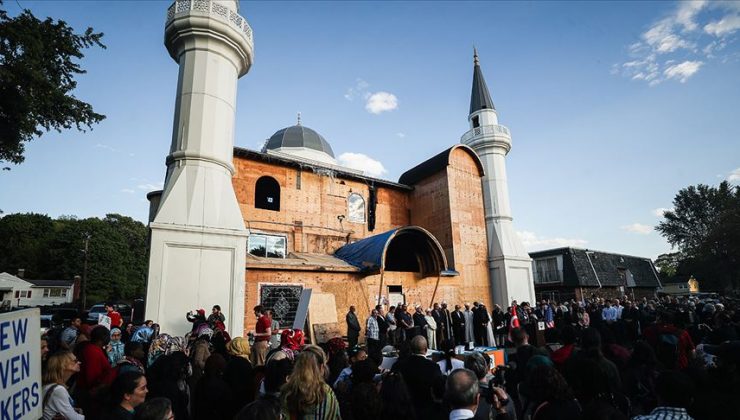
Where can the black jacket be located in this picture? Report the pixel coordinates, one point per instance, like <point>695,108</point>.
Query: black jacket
<point>353,325</point>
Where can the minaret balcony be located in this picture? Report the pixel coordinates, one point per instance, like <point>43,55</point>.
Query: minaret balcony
<point>487,135</point>
<point>211,9</point>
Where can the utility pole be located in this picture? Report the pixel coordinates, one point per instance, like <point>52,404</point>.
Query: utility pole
<point>86,236</point>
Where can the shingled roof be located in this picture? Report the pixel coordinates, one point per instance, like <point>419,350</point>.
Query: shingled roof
<point>590,268</point>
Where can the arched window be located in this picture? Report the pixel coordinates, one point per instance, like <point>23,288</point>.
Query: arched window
<point>267,194</point>
<point>356,208</point>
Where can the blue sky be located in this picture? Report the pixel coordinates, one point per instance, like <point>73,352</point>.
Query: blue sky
<point>613,107</point>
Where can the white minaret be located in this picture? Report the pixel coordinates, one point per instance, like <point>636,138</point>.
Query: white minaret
<point>509,265</point>
<point>198,238</point>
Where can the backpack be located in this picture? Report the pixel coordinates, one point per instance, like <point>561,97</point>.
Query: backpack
<point>667,349</point>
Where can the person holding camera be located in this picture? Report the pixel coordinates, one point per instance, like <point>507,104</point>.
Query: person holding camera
<point>494,402</point>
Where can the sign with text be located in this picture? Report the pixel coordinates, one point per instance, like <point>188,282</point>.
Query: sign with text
<point>104,320</point>
<point>20,365</point>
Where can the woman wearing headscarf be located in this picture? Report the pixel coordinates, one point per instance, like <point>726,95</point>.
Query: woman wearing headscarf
<point>239,374</point>
<point>165,344</point>
<point>291,341</point>
<point>212,396</point>
<point>169,375</point>
<point>115,351</point>
<point>199,353</point>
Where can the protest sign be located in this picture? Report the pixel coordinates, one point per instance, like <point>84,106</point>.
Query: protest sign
<point>104,320</point>
<point>20,365</point>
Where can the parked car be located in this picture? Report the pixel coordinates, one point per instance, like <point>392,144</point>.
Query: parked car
<point>94,312</point>
<point>99,309</point>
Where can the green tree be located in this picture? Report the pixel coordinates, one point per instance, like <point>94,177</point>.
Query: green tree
<point>54,249</point>
<point>24,241</point>
<point>667,264</point>
<point>705,227</point>
<point>38,66</point>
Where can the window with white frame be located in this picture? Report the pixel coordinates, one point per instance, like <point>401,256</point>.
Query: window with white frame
<point>270,246</point>
<point>356,208</point>
<point>55,292</point>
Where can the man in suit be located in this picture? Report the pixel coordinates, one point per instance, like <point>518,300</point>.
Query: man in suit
<point>461,394</point>
<point>421,376</point>
<point>446,322</point>
<point>353,327</point>
<point>420,322</point>
<point>480,323</point>
<point>458,326</point>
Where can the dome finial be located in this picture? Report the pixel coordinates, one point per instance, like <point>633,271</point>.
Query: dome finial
<point>299,118</point>
<point>475,56</point>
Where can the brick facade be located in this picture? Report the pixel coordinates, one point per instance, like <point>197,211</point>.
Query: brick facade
<point>448,203</point>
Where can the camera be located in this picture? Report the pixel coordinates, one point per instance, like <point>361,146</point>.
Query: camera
<point>499,376</point>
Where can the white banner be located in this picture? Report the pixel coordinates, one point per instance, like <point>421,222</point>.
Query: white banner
<point>20,365</point>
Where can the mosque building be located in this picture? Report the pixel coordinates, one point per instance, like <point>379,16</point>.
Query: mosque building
<point>291,218</point>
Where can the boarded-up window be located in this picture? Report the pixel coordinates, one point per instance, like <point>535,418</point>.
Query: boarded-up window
<point>282,300</point>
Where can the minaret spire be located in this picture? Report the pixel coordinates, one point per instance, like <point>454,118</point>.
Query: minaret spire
<point>510,268</point>
<point>299,118</point>
<point>480,98</point>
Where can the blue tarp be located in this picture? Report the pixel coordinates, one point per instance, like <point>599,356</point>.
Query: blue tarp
<point>366,254</point>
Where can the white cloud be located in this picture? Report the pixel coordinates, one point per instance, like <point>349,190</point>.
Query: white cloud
<point>381,102</point>
<point>734,176</point>
<point>638,228</point>
<point>725,26</point>
<point>362,163</point>
<point>358,90</point>
<point>685,36</point>
<point>533,242</point>
<point>687,11</point>
<point>128,191</point>
<point>660,210</point>
<point>401,135</point>
<point>682,71</point>
<point>662,39</point>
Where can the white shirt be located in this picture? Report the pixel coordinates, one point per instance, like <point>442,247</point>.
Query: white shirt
<point>461,413</point>
<point>59,402</point>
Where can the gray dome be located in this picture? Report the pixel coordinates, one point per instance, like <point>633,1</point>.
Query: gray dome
<point>299,136</point>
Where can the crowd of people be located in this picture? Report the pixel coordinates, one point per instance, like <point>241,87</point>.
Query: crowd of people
<point>598,358</point>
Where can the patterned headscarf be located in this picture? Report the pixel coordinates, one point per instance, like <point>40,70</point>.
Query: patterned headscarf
<point>336,345</point>
<point>291,339</point>
<point>205,332</point>
<point>165,344</point>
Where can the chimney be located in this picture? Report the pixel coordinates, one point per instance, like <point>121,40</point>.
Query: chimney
<point>21,273</point>
<point>76,288</point>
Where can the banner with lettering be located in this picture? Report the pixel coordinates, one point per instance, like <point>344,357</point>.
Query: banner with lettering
<point>20,365</point>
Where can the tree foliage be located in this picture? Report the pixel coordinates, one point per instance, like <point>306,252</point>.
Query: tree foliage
<point>705,227</point>
<point>38,66</point>
<point>54,249</point>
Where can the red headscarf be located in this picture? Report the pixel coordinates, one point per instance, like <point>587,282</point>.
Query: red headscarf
<point>292,339</point>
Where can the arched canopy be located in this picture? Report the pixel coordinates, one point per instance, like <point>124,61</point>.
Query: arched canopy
<point>410,248</point>
<point>437,163</point>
